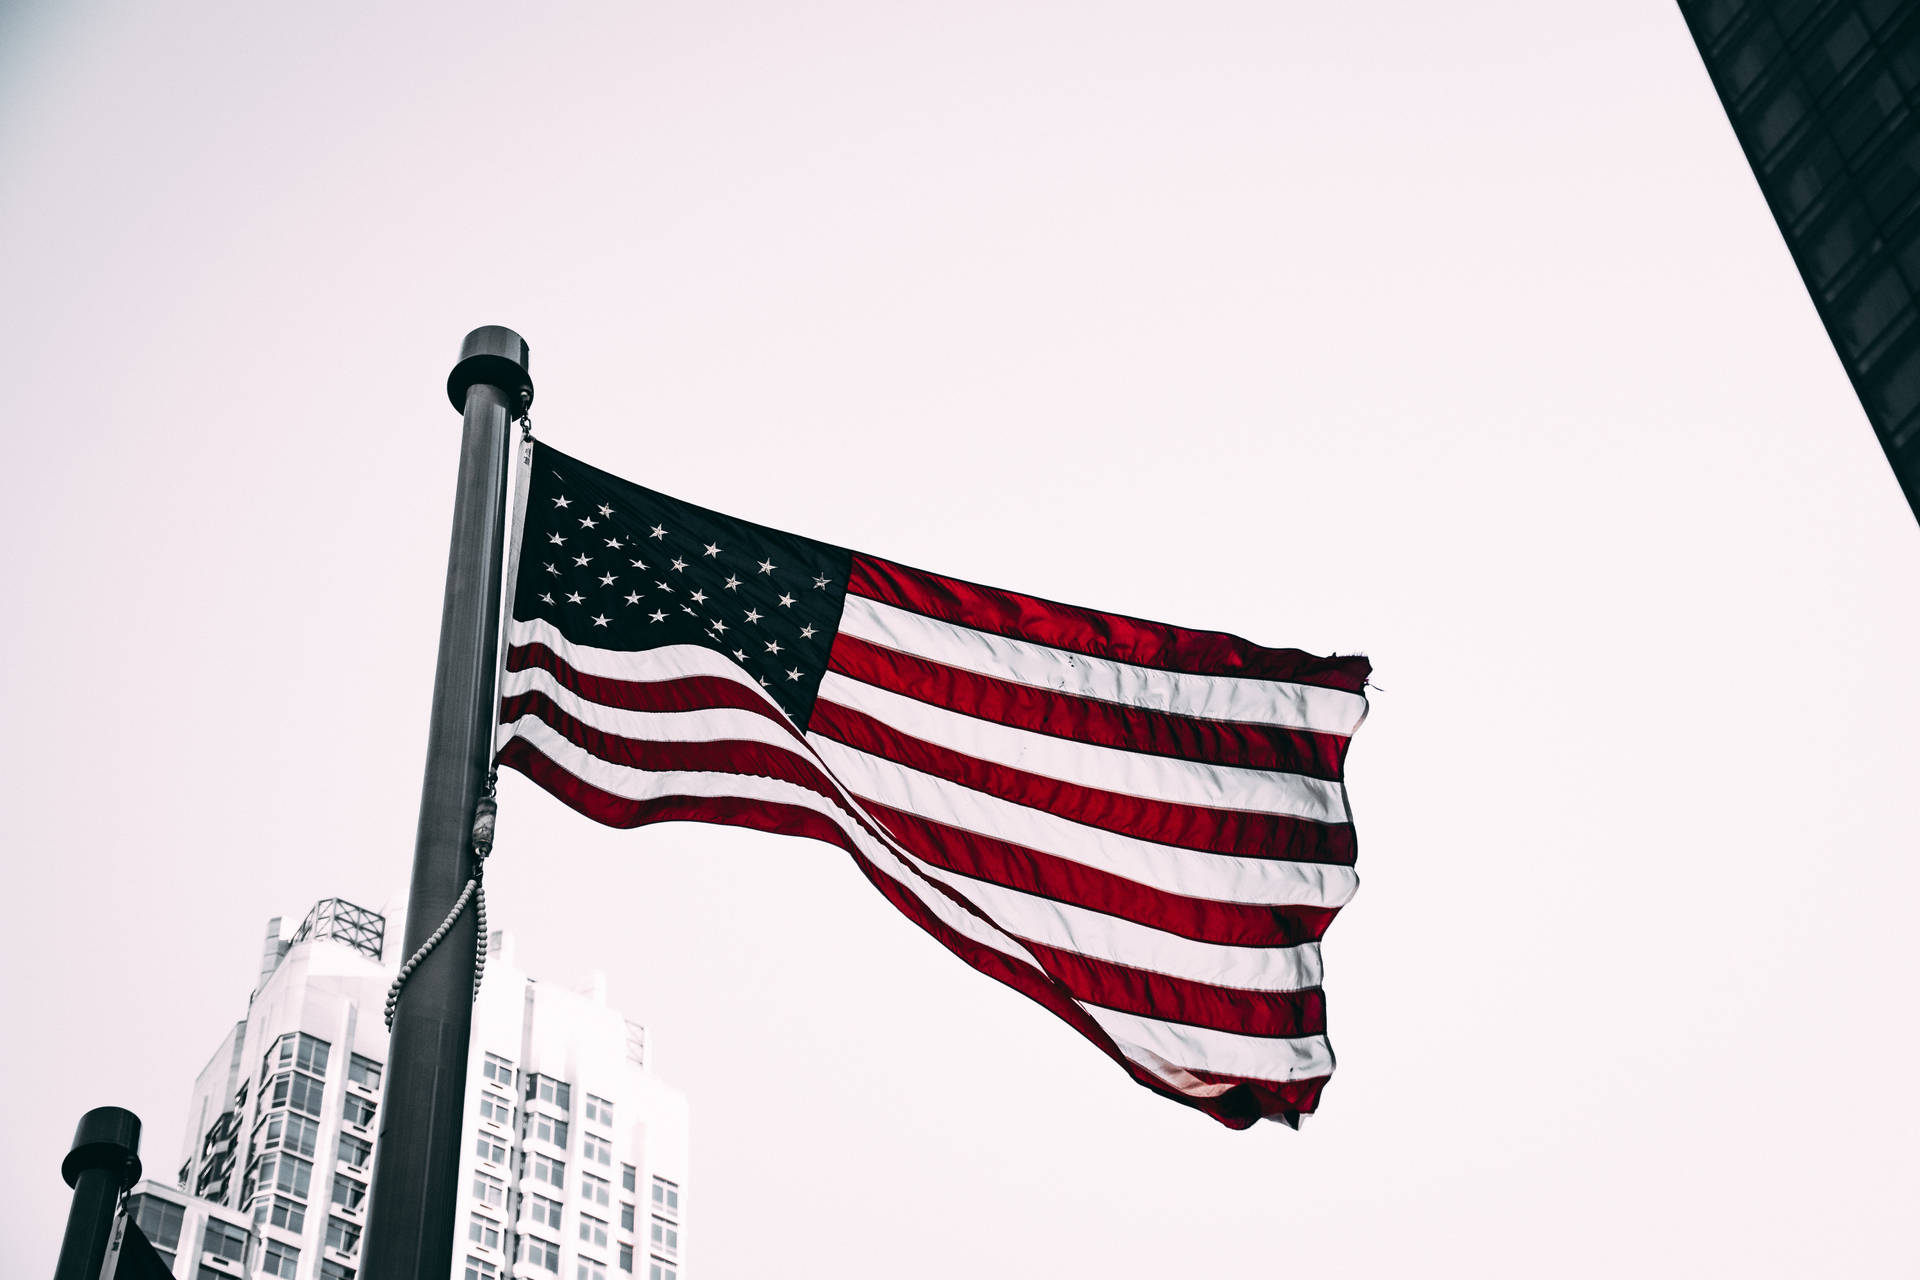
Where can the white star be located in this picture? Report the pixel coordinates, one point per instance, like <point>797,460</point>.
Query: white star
<point>733,583</point>
<point>793,673</point>
<point>740,654</point>
<point>547,596</point>
<point>606,579</point>
<point>633,597</point>
<point>688,609</point>
<point>713,549</point>
<point>679,565</point>
<point>821,582</point>
<point>605,510</point>
<point>786,602</point>
<point>581,559</point>
<point>806,632</point>
<point>753,615</point>
<point>698,597</point>
<point>763,683</point>
<point>561,501</point>
<point>767,566</point>
<point>719,625</point>
<point>664,587</point>
<point>657,616</point>
<point>639,564</point>
<point>600,620</point>
<point>588,522</point>
<point>659,531</point>
<point>551,569</point>
<point>614,543</point>
<point>574,597</point>
<point>556,539</point>
<point>773,646</point>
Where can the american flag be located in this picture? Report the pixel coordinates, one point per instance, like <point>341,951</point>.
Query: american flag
<point>1142,827</point>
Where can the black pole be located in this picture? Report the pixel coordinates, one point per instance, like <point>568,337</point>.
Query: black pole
<point>105,1161</point>
<point>415,1198</point>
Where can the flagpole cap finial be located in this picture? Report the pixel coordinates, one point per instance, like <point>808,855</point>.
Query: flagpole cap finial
<point>494,356</point>
<point>108,1138</point>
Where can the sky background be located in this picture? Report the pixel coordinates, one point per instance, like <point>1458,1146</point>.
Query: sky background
<point>1456,335</point>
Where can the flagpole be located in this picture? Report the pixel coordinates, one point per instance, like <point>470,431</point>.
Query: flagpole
<point>414,1199</point>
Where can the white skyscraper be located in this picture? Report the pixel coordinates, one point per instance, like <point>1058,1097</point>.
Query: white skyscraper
<point>574,1154</point>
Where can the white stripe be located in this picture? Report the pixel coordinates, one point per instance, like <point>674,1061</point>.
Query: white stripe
<point>643,666</point>
<point>1092,933</point>
<point>1191,873</point>
<point>1020,914</point>
<point>1204,1049</point>
<point>707,724</point>
<point>646,784</point>
<point>1131,773</point>
<point>1232,698</point>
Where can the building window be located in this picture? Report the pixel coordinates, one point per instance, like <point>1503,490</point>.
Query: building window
<point>484,1232</point>
<point>160,1221</point>
<point>543,1254</point>
<point>354,1152</point>
<point>224,1240</point>
<point>597,1149</point>
<point>299,1051</point>
<point>546,1169</point>
<point>599,1110</point>
<point>591,1270</point>
<point>279,1259</point>
<point>364,1072</point>
<point>481,1269</point>
<point>544,1211</point>
<point>331,1270</point>
<point>287,1172</point>
<point>666,1197</point>
<point>288,1215</point>
<point>211,1273</point>
<point>490,1148</point>
<point>626,1217</point>
<point>661,1269</point>
<point>499,1070</point>
<point>593,1230</point>
<point>627,1174</point>
<point>595,1190</point>
<point>497,1109</point>
<point>626,1257</point>
<point>296,1090</point>
<point>547,1089</point>
<point>358,1112</point>
<point>349,1193</point>
<point>343,1235</point>
<point>665,1237</point>
<point>489,1190</point>
<point>547,1129</point>
<point>278,1131</point>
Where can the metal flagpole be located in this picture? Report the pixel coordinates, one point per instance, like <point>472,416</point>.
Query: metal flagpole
<point>410,1220</point>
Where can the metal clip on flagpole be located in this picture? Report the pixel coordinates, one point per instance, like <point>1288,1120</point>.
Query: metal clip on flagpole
<point>415,1196</point>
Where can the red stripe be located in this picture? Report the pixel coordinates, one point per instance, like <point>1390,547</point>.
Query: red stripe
<point>1104,724</point>
<point>1233,924</point>
<point>1248,834</point>
<point>1237,1108</point>
<point>675,693</point>
<point>1099,635</point>
<point>1198,1004</point>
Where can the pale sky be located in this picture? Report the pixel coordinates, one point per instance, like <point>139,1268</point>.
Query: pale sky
<point>1457,335</point>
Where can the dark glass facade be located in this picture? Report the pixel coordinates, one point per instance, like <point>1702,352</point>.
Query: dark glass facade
<point>1825,98</point>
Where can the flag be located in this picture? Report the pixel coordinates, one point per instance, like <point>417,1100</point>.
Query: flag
<point>1142,827</point>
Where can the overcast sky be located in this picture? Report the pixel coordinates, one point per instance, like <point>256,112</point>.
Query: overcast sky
<point>1457,335</point>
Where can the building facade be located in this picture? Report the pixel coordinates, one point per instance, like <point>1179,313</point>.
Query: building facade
<point>1824,96</point>
<point>574,1153</point>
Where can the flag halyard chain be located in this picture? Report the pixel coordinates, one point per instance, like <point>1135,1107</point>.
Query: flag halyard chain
<point>485,813</point>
